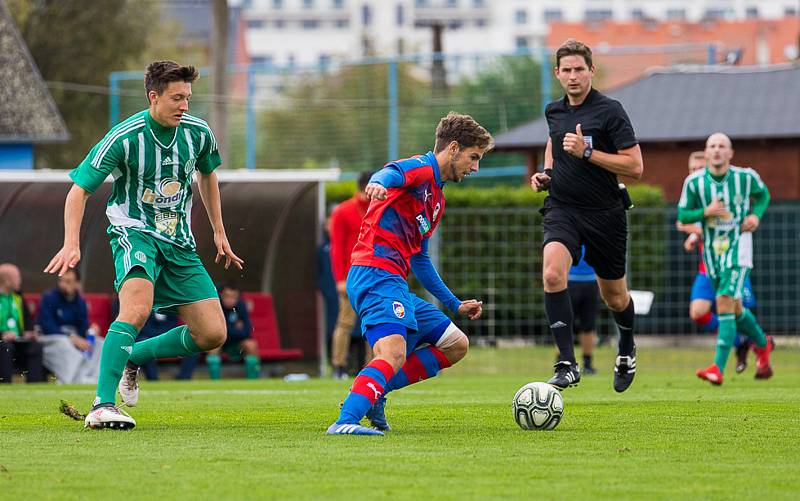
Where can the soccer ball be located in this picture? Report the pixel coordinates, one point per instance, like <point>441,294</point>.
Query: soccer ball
<point>538,406</point>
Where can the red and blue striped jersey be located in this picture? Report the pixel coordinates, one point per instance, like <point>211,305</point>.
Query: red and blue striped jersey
<point>393,229</point>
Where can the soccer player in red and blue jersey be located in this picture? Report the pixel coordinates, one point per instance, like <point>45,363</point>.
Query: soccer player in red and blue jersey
<point>411,338</point>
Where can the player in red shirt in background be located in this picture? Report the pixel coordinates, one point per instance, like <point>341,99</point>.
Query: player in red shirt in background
<point>345,225</point>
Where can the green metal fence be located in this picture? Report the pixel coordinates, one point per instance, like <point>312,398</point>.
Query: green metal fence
<point>495,255</point>
<point>356,115</point>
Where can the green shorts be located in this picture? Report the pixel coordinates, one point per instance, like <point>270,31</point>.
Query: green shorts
<point>177,274</point>
<point>731,282</point>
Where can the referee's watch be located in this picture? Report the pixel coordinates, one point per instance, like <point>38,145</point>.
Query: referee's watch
<point>587,152</point>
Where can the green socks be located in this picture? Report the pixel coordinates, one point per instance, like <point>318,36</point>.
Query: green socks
<point>214,363</point>
<point>748,325</point>
<point>173,343</point>
<point>252,365</point>
<point>725,336</point>
<point>117,348</point>
<point>728,325</point>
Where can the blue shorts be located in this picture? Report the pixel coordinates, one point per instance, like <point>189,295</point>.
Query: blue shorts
<point>386,306</point>
<point>702,288</point>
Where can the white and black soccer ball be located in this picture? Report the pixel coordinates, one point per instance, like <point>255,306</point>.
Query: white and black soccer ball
<point>538,406</point>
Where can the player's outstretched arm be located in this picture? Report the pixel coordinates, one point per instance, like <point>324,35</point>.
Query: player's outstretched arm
<point>209,192</point>
<point>70,252</point>
<point>426,273</point>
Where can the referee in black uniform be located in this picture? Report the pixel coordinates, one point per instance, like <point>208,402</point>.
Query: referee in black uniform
<point>591,142</point>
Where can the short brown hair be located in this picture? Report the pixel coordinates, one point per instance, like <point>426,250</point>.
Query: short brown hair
<point>159,74</point>
<point>573,47</point>
<point>464,130</point>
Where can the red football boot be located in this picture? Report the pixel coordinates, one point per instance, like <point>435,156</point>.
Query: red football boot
<point>711,374</point>
<point>763,366</point>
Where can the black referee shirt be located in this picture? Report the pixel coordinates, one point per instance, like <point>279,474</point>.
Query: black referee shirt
<point>606,127</point>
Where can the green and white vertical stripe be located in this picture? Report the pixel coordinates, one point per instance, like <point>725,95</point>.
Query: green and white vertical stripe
<point>152,178</point>
<point>725,245</point>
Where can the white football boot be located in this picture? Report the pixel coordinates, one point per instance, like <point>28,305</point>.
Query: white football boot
<point>129,385</point>
<point>108,416</point>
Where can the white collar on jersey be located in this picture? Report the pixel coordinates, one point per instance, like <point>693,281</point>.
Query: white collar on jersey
<point>171,143</point>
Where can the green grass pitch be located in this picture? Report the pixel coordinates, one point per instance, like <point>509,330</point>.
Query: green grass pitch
<point>671,436</point>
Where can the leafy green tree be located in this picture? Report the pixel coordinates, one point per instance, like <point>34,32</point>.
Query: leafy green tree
<point>338,118</point>
<point>81,42</point>
<point>341,118</point>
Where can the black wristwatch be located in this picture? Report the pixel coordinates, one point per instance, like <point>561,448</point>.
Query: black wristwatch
<point>587,152</point>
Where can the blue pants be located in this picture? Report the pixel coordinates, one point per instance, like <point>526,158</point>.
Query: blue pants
<point>386,306</point>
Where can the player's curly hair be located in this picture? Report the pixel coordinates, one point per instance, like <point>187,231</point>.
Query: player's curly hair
<point>159,74</point>
<point>464,130</point>
<point>573,47</point>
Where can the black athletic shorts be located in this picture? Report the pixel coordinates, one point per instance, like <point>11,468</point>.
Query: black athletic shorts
<point>603,232</point>
<point>584,297</point>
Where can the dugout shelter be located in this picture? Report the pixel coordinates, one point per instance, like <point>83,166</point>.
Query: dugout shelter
<point>273,220</point>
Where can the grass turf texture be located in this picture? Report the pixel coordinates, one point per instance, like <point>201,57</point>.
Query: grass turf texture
<point>670,436</point>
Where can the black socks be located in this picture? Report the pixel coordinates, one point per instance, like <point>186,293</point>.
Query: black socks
<point>624,320</point>
<point>558,307</point>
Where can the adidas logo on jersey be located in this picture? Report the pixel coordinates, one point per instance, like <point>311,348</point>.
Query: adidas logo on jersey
<point>557,325</point>
<point>169,161</point>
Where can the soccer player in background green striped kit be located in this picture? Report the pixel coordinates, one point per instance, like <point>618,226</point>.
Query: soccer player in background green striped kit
<point>729,202</point>
<point>152,157</point>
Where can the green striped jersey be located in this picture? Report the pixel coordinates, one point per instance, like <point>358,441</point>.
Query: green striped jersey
<point>152,166</point>
<point>724,244</point>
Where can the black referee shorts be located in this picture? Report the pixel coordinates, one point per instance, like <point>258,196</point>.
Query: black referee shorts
<point>603,232</point>
<point>584,297</point>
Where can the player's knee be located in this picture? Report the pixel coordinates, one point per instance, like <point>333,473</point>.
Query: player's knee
<point>136,315</point>
<point>459,349</point>
<point>209,338</point>
<point>210,342</point>
<point>725,304</point>
<point>454,344</point>
<point>217,338</point>
<point>250,347</point>
<point>695,314</point>
<point>395,359</point>
<point>617,302</point>
<point>554,279</point>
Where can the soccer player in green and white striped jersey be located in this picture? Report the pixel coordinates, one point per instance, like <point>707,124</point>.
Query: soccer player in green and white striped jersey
<point>152,156</point>
<point>729,202</point>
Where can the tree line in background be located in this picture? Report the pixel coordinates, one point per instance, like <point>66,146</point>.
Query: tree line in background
<point>338,118</point>
<point>81,42</point>
<point>341,119</point>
